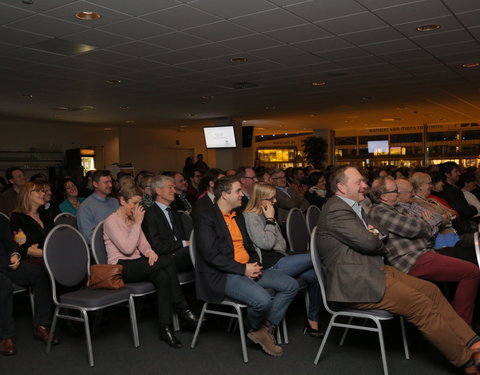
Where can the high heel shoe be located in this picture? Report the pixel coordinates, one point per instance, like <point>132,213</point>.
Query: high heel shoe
<point>311,331</point>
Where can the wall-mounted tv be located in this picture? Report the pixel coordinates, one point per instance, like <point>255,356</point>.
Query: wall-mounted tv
<point>220,137</point>
<point>378,147</point>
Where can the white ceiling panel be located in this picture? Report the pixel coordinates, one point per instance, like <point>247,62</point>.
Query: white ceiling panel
<point>269,20</point>
<point>50,26</point>
<point>251,42</point>
<point>136,28</point>
<point>139,49</point>
<point>137,7</point>
<point>232,8</point>
<point>181,17</point>
<point>413,12</point>
<point>176,40</point>
<point>325,9</point>
<point>299,33</point>
<point>217,31</point>
<point>19,37</point>
<point>356,22</point>
<point>379,35</point>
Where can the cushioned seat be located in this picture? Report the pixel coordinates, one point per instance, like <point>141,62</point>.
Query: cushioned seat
<point>140,288</point>
<point>89,298</point>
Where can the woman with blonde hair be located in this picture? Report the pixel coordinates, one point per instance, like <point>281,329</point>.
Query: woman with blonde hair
<point>29,223</point>
<point>267,237</point>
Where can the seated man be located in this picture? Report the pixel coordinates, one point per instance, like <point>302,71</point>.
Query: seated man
<point>13,270</point>
<point>208,182</point>
<point>287,198</point>
<point>410,248</point>
<point>16,178</point>
<point>247,178</point>
<point>98,206</point>
<point>352,255</point>
<point>183,200</point>
<point>228,265</point>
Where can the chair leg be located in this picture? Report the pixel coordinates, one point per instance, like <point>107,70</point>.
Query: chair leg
<point>97,321</point>
<point>382,346</point>
<point>88,337</point>
<point>52,329</point>
<point>242,334</point>
<point>32,304</point>
<point>278,333</point>
<point>133,320</point>
<point>324,340</point>
<point>342,340</point>
<point>176,323</point>
<point>404,337</point>
<point>285,331</point>
<point>199,325</point>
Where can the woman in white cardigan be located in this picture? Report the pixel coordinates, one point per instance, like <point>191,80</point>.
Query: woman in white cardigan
<point>267,237</point>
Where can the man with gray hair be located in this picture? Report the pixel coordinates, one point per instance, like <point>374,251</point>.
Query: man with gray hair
<point>165,233</point>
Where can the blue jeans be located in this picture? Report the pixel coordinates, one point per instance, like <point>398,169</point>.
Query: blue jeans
<point>300,266</point>
<point>262,305</point>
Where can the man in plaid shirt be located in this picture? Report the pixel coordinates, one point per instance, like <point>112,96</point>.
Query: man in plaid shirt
<point>410,248</point>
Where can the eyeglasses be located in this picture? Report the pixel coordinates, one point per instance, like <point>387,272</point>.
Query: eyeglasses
<point>39,190</point>
<point>392,191</point>
<point>272,199</point>
<point>251,177</point>
<point>279,178</point>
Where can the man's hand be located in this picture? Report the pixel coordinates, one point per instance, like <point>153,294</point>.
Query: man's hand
<point>14,262</point>
<point>253,270</point>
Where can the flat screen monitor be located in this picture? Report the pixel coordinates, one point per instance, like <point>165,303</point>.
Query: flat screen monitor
<point>378,147</point>
<point>220,137</point>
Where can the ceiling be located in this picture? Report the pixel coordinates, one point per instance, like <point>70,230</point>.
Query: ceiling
<point>172,61</point>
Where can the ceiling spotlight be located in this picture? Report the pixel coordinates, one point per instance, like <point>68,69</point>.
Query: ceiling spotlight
<point>107,128</point>
<point>113,81</point>
<point>471,65</point>
<point>426,28</point>
<point>208,97</point>
<point>27,96</point>
<point>88,16</point>
<point>238,60</point>
<point>130,121</point>
<point>319,83</point>
<point>124,107</point>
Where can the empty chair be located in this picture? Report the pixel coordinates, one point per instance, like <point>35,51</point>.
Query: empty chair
<point>209,308</point>
<point>65,218</point>
<point>67,259</point>
<point>311,216</point>
<point>297,233</point>
<point>377,316</point>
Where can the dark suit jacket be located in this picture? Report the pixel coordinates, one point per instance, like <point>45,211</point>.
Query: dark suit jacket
<point>202,204</point>
<point>351,256</point>
<point>179,205</point>
<point>7,245</point>
<point>214,253</point>
<point>158,231</point>
<point>286,203</point>
<point>455,198</point>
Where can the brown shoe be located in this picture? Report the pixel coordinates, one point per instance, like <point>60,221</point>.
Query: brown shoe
<point>41,333</point>
<point>264,337</point>
<point>471,370</point>
<point>475,349</point>
<point>7,347</point>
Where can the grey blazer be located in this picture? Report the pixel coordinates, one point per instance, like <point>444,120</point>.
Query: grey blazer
<point>286,203</point>
<point>352,257</point>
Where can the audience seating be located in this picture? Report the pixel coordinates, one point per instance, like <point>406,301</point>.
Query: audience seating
<point>312,215</point>
<point>208,309</point>
<point>5,216</point>
<point>65,218</point>
<point>477,247</point>
<point>17,289</point>
<point>297,233</point>
<point>377,316</point>
<point>67,260</point>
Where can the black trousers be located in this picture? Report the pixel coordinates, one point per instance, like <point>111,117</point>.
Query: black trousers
<point>463,249</point>
<point>163,274</point>
<point>26,275</point>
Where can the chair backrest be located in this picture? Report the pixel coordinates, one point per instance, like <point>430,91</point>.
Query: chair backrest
<point>187,223</point>
<point>66,257</point>
<point>297,232</point>
<point>477,247</point>
<point>312,216</point>
<point>65,218</point>
<point>192,248</point>
<point>317,265</point>
<point>99,251</point>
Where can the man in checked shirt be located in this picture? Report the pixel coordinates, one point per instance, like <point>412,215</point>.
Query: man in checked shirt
<point>410,248</point>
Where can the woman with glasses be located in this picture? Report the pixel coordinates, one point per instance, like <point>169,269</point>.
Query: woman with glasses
<point>72,200</point>
<point>267,237</point>
<point>29,224</point>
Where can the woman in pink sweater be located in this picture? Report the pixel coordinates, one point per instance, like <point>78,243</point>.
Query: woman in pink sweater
<point>126,245</point>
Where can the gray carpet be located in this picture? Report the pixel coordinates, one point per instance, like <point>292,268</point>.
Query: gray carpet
<point>217,352</point>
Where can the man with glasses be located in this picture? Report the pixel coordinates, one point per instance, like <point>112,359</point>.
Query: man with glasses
<point>248,179</point>
<point>287,198</point>
<point>410,247</point>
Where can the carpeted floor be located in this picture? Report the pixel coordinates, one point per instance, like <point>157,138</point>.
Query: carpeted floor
<point>217,352</point>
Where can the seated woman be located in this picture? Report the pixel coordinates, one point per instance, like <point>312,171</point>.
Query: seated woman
<point>72,200</point>
<point>50,207</point>
<point>317,189</point>
<point>126,245</point>
<point>267,238</point>
<point>29,223</point>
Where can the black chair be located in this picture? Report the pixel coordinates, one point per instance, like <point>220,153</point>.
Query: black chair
<point>297,233</point>
<point>312,215</point>
<point>65,218</point>
<point>67,260</point>
<point>209,309</point>
<point>377,316</point>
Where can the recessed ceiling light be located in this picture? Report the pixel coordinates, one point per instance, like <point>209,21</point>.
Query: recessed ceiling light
<point>471,65</point>
<point>366,98</point>
<point>208,97</point>
<point>64,108</point>
<point>88,16</point>
<point>388,119</point>
<point>107,128</point>
<point>183,126</point>
<point>124,107</point>
<point>130,121</point>
<point>27,96</point>
<point>113,81</point>
<point>319,83</point>
<point>426,28</point>
<point>238,60</point>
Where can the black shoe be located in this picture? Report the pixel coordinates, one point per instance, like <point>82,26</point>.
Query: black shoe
<point>189,318</point>
<point>312,331</point>
<point>167,335</point>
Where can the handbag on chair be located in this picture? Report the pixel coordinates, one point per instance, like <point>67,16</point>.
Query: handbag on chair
<point>105,276</point>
